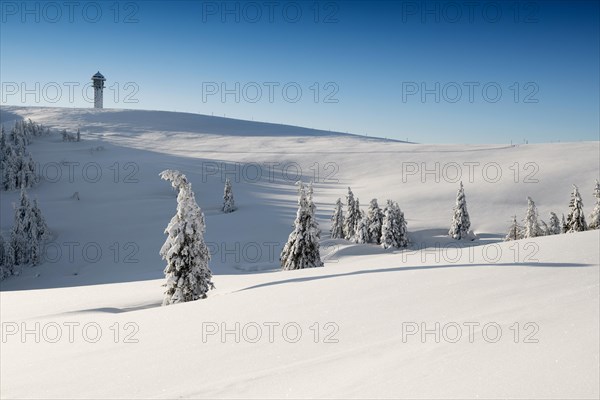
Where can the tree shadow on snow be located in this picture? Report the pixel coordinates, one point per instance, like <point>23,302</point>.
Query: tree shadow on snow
<point>413,268</point>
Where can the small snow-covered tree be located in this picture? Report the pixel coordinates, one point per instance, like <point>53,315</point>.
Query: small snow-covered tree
<point>461,222</point>
<point>337,221</point>
<point>228,202</point>
<point>352,215</point>
<point>374,222</point>
<point>576,217</point>
<point>515,231</point>
<point>393,231</point>
<point>554,227</point>
<point>361,234</point>
<point>563,224</point>
<point>188,275</point>
<point>531,226</point>
<point>302,247</point>
<point>595,215</point>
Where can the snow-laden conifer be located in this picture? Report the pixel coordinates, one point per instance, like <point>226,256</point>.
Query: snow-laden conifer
<point>302,247</point>
<point>515,231</point>
<point>393,231</point>
<point>351,217</point>
<point>461,222</point>
<point>554,227</point>
<point>337,221</point>
<point>228,202</point>
<point>361,234</point>
<point>188,275</point>
<point>531,226</point>
<point>374,222</point>
<point>576,217</point>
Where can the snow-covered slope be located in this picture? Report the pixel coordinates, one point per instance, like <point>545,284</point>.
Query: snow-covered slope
<point>549,286</point>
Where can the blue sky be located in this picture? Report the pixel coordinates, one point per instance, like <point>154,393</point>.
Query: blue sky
<point>433,71</point>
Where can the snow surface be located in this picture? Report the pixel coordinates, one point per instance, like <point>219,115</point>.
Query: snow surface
<point>370,294</point>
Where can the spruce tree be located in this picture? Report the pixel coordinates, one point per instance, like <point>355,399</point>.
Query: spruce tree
<point>313,233</point>
<point>41,226</point>
<point>228,202</point>
<point>595,215</point>
<point>576,217</point>
<point>362,230</point>
<point>302,247</point>
<point>515,231</point>
<point>23,237</point>
<point>393,231</point>
<point>337,221</point>
<point>460,218</point>
<point>563,224</point>
<point>187,272</point>
<point>531,226</point>
<point>554,227</point>
<point>351,216</point>
<point>374,222</point>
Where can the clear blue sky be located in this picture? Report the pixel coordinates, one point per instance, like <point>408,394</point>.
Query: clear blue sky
<point>374,58</point>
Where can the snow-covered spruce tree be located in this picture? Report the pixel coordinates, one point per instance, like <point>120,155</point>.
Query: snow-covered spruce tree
<point>576,217</point>
<point>563,224</point>
<point>374,222</point>
<point>460,218</point>
<point>313,232</point>
<point>544,227</point>
<point>41,226</point>
<point>554,227</point>
<point>531,226</point>
<point>359,215</point>
<point>337,221</point>
<point>515,231</point>
<point>361,234</point>
<point>595,215</point>
<point>228,202</point>
<point>188,276</point>
<point>403,237</point>
<point>351,216</point>
<point>17,168</point>
<point>393,231</point>
<point>20,229</point>
<point>302,247</point>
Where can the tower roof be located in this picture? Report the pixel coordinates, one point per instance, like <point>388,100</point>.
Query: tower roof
<point>98,75</point>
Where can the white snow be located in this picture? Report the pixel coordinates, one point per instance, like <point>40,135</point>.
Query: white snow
<point>370,295</point>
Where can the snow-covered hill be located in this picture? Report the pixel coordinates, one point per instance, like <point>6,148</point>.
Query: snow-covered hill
<point>103,267</point>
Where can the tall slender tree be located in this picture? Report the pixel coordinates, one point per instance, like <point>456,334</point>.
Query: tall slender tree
<point>576,217</point>
<point>374,222</point>
<point>352,215</point>
<point>461,222</point>
<point>228,202</point>
<point>188,275</point>
<point>337,221</point>
<point>531,226</point>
